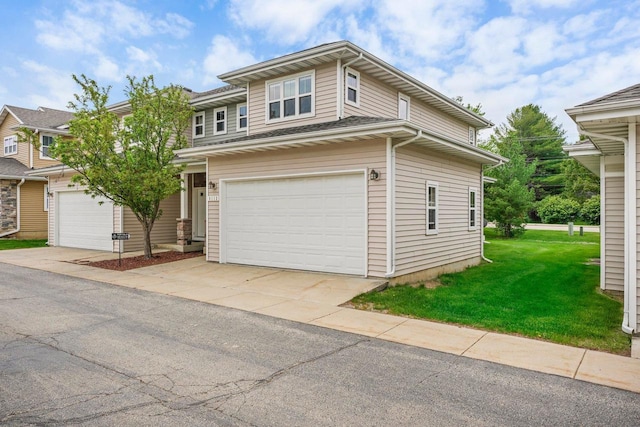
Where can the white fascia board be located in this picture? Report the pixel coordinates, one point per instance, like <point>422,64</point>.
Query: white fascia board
<point>55,131</point>
<point>27,178</point>
<point>49,170</point>
<point>607,115</point>
<point>218,97</point>
<point>246,72</point>
<point>8,110</point>
<point>465,147</point>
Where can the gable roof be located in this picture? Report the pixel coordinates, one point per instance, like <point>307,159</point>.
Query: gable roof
<point>13,169</point>
<point>41,118</point>
<point>365,62</point>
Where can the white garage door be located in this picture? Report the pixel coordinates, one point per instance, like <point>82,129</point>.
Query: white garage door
<point>83,223</point>
<point>313,223</point>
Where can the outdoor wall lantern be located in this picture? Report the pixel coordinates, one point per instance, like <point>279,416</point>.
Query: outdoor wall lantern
<point>374,175</point>
<point>212,185</point>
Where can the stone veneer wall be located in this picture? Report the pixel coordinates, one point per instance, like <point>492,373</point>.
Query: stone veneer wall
<point>8,205</point>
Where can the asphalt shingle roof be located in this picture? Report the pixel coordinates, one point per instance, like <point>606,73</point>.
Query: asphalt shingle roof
<point>336,124</point>
<point>12,167</point>
<point>215,91</point>
<point>631,92</point>
<point>42,117</point>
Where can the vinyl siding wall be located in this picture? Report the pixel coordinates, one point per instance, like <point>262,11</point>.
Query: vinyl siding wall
<point>33,217</point>
<point>380,100</point>
<point>454,243</point>
<point>637,138</point>
<point>325,102</point>
<point>23,148</point>
<point>209,118</point>
<point>164,230</point>
<point>613,250</point>
<point>328,158</point>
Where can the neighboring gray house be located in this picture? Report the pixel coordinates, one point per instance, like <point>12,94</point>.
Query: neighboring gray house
<point>611,124</point>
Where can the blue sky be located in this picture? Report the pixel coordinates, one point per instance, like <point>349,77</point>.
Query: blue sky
<point>501,53</point>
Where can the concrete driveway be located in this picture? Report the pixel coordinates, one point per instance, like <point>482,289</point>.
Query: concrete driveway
<point>304,295</point>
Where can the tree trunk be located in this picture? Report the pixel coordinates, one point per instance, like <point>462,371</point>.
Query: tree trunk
<point>146,229</point>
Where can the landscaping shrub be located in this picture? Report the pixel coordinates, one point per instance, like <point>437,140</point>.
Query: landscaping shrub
<point>558,210</point>
<point>590,211</point>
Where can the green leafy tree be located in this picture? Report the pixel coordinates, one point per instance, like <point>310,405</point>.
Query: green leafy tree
<point>475,108</point>
<point>129,162</point>
<point>541,139</point>
<point>509,199</point>
<point>580,183</point>
<point>590,211</point>
<point>558,210</point>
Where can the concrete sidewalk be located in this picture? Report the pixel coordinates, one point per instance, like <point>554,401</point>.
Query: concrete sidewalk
<point>315,299</point>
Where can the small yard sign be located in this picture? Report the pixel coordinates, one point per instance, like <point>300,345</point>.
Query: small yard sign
<point>120,236</point>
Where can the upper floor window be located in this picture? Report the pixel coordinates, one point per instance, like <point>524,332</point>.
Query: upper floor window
<point>10,145</point>
<point>432,207</point>
<point>220,121</point>
<point>242,120</point>
<point>472,136</point>
<point>45,142</point>
<point>291,97</point>
<point>198,125</point>
<point>352,87</point>
<point>472,208</point>
<point>403,106</point>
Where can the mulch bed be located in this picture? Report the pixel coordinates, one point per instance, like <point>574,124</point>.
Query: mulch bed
<point>130,263</point>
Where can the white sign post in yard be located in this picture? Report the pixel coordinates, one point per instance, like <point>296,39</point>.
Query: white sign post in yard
<point>120,237</point>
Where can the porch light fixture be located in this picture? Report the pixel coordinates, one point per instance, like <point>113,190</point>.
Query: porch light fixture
<point>374,175</point>
<point>212,185</point>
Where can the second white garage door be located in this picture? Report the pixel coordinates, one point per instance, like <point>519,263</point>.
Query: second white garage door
<point>315,223</point>
<point>83,223</point>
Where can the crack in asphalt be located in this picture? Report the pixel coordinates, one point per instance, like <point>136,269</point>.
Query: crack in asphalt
<point>148,386</point>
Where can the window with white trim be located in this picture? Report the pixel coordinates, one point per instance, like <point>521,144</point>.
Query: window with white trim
<point>473,212</point>
<point>352,88</point>
<point>432,207</point>
<point>220,121</point>
<point>198,124</point>
<point>241,117</point>
<point>403,106</point>
<point>291,98</point>
<point>46,198</point>
<point>10,145</point>
<point>45,142</point>
<point>472,136</point>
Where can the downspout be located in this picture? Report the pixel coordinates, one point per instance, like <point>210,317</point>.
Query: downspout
<point>341,88</point>
<point>500,163</point>
<point>391,201</point>
<point>629,231</point>
<point>8,233</point>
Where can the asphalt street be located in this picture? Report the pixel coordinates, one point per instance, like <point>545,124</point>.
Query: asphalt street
<point>77,352</point>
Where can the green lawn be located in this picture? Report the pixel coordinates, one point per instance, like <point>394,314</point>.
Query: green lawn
<point>21,244</point>
<point>538,286</point>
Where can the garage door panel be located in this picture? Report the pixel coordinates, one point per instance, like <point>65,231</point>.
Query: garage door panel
<point>83,222</point>
<point>312,223</point>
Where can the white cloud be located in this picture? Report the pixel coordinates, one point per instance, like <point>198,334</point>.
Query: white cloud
<point>145,59</point>
<point>523,7</point>
<point>107,69</point>
<point>49,87</point>
<point>284,21</point>
<point>222,56</point>
<point>427,29</point>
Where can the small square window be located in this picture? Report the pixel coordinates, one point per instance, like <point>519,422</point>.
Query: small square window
<point>403,107</point>
<point>353,88</point>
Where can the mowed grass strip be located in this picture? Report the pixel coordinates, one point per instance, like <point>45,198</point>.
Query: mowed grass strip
<point>539,285</point>
<point>21,244</point>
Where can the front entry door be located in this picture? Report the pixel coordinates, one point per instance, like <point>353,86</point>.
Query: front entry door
<point>199,212</point>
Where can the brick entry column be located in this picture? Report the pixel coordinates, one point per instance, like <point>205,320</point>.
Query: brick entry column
<point>184,231</point>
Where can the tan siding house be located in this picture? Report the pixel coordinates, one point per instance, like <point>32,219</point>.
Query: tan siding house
<point>612,153</point>
<point>23,203</point>
<point>340,185</point>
